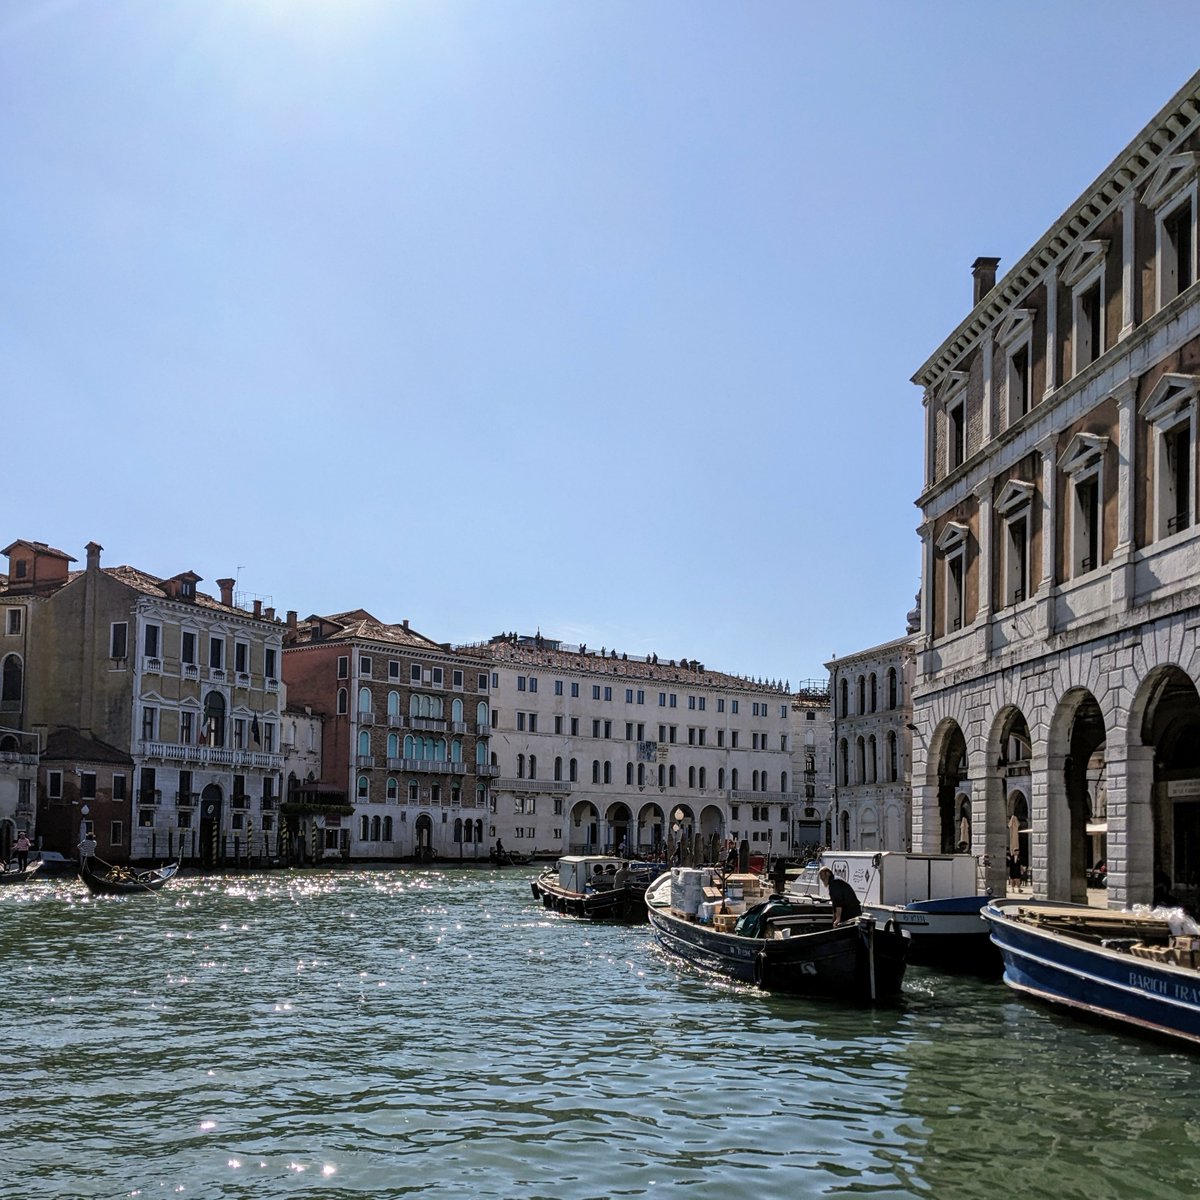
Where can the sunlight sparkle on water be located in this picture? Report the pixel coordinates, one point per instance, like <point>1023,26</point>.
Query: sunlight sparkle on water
<point>328,1169</point>
<point>207,1125</point>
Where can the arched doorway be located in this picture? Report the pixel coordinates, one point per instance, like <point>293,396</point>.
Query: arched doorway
<point>211,805</point>
<point>712,833</point>
<point>619,820</point>
<point>423,835</point>
<point>584,835</point>
<point>1170,727</point>
<point>650,830</point>
<point>951,772</point>
<point>1076,773</point>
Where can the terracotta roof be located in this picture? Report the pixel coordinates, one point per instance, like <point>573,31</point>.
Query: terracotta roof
<point>607,662</point>
<point>151,585</point>
<point>40,547</point>
<point>358,625</point>
<point>70,745</point>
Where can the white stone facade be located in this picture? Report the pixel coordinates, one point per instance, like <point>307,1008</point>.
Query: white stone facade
<point>871,702</point>
<point>1055,700</point>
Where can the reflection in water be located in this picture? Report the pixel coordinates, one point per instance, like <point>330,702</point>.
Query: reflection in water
<point>429,1032</point>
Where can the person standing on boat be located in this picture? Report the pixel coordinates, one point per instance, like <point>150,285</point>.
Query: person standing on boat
<point>841,895</point>
<point>22,847</point>
<point>87,849</point>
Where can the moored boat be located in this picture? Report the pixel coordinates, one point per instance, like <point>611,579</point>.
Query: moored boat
<point>1142,971</point>
<point>936,898</point>
<point>122,881</point>
<point>597,886</point>
<point>779,944</point>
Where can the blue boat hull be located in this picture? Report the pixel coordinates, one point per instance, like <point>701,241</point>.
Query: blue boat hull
<point>1109,983</point>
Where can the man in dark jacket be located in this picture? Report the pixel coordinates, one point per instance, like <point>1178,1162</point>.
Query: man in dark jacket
<point>845,903</point>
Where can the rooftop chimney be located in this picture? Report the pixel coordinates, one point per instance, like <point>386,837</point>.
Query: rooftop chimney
<point>269,612</point>
<point>404,623</point>
<point>291,618</point>
<point>93,555</point>
<point>226,586</point>
<point>983,271</point>
<point>258,608</point>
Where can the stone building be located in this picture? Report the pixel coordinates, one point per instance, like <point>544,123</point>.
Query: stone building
<point>871,701</point>
<point>404,754</point>
<point>597,751</point>
<point>1055,698</point>
<point>184,684</point>
<point>811,744</point>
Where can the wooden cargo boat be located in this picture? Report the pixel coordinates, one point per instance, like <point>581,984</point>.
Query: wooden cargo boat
<point>597,886</point>
<point>782,945</point>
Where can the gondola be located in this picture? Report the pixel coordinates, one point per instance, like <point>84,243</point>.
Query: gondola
<point>121,881</point>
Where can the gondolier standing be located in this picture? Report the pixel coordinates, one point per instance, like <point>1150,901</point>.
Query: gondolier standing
<point>87,849</point>
<point>841,895</point>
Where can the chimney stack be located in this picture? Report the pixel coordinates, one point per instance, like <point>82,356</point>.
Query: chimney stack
<point>983,272</point>
<point>404,623</point>
<point>258,608</point>
<point>291,618</point>
<point>226,586</point>
<point>93,555</point>
<point>270,613</point>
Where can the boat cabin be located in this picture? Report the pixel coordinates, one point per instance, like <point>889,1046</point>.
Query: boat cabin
<point>894,877</point>
<point>579,872</point>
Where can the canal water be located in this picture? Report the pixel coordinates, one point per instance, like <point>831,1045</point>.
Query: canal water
<point>435,1033</point>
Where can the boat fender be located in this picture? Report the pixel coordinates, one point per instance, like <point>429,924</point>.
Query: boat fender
<point>762,970</point>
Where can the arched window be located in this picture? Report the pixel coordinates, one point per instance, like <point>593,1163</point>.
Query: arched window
<point>641,775</point>
<point>456,751</point>
<point>671,775</point>
<point>845,698</point>
<point>872,761</point>
<point>439,751</point>
<point>607,771</point>
<point>595,770</point>
<point>629,774</point>
<point>467,830</point>
<point>862,694</point>
<point>393,704</point>
<point>558,769</point>
<point>364,788</point>
<point>214,719</point>
<point>754,781</point>
<point>393,745</point>
<point>343,705</point>
<point>691,777</point>
<point>10,686</point>
<point>458,829</point>
<point>893,698</point>
<point>892,764</point>
<point>364,828</point>
<point>520,766</point>
<point>364,743</point>
<point>533,766</point>
<point>733,777</point>
<point>364,700</point>
<point>456,711</point>
<point>874,693</point>
<point>481,754</point>
<point>721,778</point>
<point>662,775</point>
<point>703,778</point>
<point>414,705</point>
<point>844,762</point>
<point>393,794</point>
<point>574,771</point>
<point>387,829</point>
<point>375,829</point>
<point>783,781</point>
<point>410,746</point>
<point>481,712</point>
<point>860,761</point>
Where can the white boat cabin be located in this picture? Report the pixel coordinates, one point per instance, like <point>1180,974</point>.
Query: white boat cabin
<point>578,872</point>
<point>893,877</point>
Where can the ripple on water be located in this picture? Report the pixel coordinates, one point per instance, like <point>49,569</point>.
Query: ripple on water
<point>429,1033</point>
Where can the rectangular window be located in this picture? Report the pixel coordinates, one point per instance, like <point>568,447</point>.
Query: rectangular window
<point>641,696</point>
<point>955,595</point>
<point>672,733</point>
<point>629,695</point>
<point>457,680</point>
<point>118,641</point>
<point>1020,383</point>
<point>87,785</point>
<point>520,683</point>
<point>1089,324</point>
<point>187,648</point>
<point>239,733</point>
<point>691,735</point>
<point>483,682</point>
<point>13,625</point>
<point>575,691</point>
<point>152,638</point>
<point>520,722</point>
<point>956,422</point>
<point>608,693</point>
<point>700,736</point>
<point>116,833</point>
<point>558,724</point>
<point>118,787</point>
<point>720,705</point>
<point>596,728</point>
<point>1016,560</point>
<point>629,731</point>
<point>54,788</point>
<point>702,703</point>
<point>558,687</point>
<point>733,707</point>
<point>393,668</point>
<point>733,739</point>
<point>216,652</point>
<point>673,700</point>
<point>608,729</point>
<point>1175,482</point>
<point>595,691</point>
<point>269,662</point>
<point>268,736</point>
<point>574,726</point>
<point>186,727</point>
<point>641,732</point>
<point>533,683</point>
<point>414,673</point>
<point>437,677</point>
<point>149,716</point>
<point>1175,252</point>
<point>1085,526</point>
<point>692,702</point>
<point>343,666</point>
<point>364,666</point>
<point>721,738</point>
<point>662,733</point>
<point>495,679</point>
<point>241,658</point>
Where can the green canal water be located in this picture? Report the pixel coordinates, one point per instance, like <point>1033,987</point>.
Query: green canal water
<point>435,1033</point>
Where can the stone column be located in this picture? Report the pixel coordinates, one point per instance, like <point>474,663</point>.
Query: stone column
<point>1130,811</point>
<point>1128,267</point>
<point>1050,534</point>
<point>928,554</point>
<point>926,822</point>
<point>983,615</point>
<point>1050,819</point>
<point>995,839</point>
<point>1051,330</point>
<point>988,385</point>
<point>1121,575</point>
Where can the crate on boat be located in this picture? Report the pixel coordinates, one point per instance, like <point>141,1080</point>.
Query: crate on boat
<point>1153,953</point>
<point>724,922</point>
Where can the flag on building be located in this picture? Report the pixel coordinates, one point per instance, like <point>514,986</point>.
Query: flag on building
<point>255,732</point>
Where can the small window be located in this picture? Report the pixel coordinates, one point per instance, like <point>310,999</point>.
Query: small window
<point>54,785</point>
<point>118,641</point>
<point>343,666</point>
<point>13,621</point>
<point>187,648</point>
<point>118,787</point>
<point>87,785</point>
<point>364,665</point>
<point>216,653</point>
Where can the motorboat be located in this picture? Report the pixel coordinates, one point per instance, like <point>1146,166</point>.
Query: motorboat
<point>600,887</point>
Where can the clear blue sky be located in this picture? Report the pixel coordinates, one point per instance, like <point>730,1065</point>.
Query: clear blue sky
<point>593,317</point>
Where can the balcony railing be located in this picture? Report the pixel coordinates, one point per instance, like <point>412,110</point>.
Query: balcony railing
<point>486,769</point>
<point>458,727</point>
<point>534,785</point>
<point>429,765</point>
<point>272,685</point>
<point>765,797</point>
<point>189,671</point>
<point>148,798</point>
<point>429,723</point>
<point>365,760</point>
<point>243,679</point>
<point>18,759</point>
<point>211,755</point>
<point>484,729</point>
<point>395,720</point>
<point>217,674</point>
<point>366,718</point>
<point>152,666</point>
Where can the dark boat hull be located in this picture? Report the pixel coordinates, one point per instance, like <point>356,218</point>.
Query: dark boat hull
<point>138,883</point>
<point>625,904</point>
<point>858,961</point>
<point>1161,999</point>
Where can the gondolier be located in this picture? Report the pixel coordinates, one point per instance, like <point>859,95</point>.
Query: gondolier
<point>841,895</point>
<point>87,849</point>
